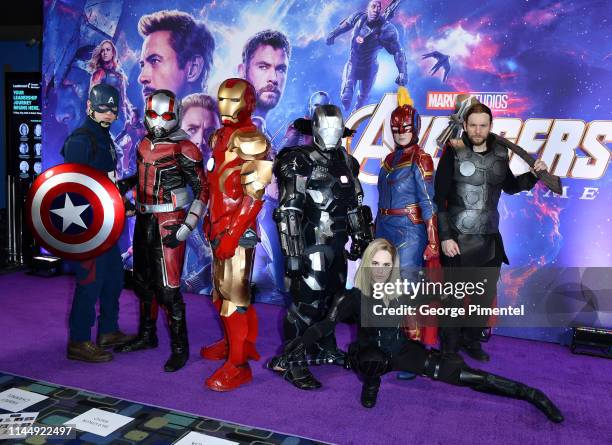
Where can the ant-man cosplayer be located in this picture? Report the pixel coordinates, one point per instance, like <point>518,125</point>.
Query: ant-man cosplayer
<point>237,172</point>
<point>167,162</point>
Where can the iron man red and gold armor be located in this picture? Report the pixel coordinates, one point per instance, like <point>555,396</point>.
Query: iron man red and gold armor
<point>237,172</point>
<point>167,163</point>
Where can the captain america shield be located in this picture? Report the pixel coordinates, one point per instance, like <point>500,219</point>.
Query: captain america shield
<point>75,211</point>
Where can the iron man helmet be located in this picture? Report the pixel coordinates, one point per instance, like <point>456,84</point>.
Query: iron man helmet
<point>317,98</point>
<point>236,101</point>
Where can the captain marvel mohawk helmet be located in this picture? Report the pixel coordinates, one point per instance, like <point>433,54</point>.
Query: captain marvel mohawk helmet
<point>405,118</point>
<point>162,113</point>
<point>236,101</point>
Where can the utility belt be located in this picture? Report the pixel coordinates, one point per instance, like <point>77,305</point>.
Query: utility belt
<point>412,211</point>
<point>180,198</point>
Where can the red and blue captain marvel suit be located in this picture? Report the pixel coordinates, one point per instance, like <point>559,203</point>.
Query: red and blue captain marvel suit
<point>406,209</point>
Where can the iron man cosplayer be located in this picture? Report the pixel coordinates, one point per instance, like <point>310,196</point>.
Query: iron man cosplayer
<point>167,162</point>
<point>237,173</point>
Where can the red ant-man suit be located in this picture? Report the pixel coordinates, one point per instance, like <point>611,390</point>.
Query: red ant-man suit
<point>167,162</point>
<point>238,172</point>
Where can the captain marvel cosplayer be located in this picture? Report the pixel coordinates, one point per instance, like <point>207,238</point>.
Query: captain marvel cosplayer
<point>406,212</point>
<point>237,173</point>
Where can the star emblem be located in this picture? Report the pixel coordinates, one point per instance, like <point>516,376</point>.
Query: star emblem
<point>70,214</point>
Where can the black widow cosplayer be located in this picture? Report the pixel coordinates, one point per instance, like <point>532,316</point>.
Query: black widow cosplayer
<point>379,350</point>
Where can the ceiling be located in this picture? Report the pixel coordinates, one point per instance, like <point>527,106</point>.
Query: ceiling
<point>22,20</point>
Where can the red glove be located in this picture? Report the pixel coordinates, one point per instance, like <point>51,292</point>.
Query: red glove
<point>431,255</point>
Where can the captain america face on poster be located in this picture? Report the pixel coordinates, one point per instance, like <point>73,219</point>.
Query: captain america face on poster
<point>200,118</point>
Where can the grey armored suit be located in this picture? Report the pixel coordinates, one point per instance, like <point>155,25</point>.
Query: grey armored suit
<point>468,187</point>
<point>320,206</point>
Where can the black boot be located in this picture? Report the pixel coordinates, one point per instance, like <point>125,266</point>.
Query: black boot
<point>475,351</point>
<point>147,330</point>
<point>471,344</point>
<point>494,384</point>
<point>326,352</point>
<point>369,392</point>
<point>178,337</point>
<point>450,341</point>
<point>301,378</point>
<point>294,368</point>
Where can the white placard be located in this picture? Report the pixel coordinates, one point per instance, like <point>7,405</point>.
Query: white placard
<point>99,422</point>
<point>194,438</point>
<point>16,399</point>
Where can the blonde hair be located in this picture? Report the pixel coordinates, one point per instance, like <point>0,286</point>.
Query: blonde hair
<point>94,62</point>
<point>363,277</point>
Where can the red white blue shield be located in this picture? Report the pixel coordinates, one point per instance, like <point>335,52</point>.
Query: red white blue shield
<point>75,211</point>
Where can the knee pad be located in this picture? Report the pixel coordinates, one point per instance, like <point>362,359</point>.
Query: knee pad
<point>169,296</point>
<point>304,313</point>
<point>299,317</point>
<point>444,368</point>
<point>142,290</point>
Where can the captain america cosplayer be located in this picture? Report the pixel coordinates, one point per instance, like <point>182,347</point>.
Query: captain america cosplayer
<point>101,277</point>
<point>167,162</point>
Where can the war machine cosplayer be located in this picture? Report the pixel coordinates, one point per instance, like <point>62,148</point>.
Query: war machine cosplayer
<point>320,207</point>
